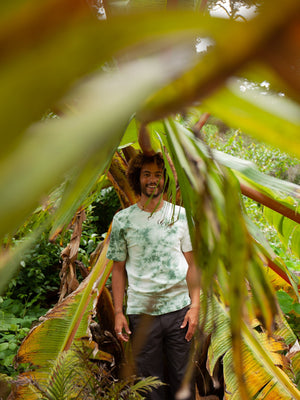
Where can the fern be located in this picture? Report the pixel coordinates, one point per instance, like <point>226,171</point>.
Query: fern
<point>143,385</point>
<point>60,385</point>
<point>132,388</point>
<point>77,376</point>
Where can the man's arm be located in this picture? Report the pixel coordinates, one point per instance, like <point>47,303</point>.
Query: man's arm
<point>193,282</point>
<point>118,290</point>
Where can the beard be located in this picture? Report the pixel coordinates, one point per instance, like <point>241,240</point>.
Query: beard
<point>152,193</point>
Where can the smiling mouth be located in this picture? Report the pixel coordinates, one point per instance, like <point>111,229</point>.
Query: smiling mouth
<point>152,188</point>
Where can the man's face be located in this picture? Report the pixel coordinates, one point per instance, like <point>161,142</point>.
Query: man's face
<point>152,180</point>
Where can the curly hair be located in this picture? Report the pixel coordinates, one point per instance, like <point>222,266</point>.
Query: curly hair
<point>135,166</point>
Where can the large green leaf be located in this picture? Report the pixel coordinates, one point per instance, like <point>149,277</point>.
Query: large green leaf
<point>46,46</point>
<point>281,195</point>
<point>83,140</point>
<point>224,59</point>
<point>70,34</point>
<point>283,192</point>
<point>266,116</point>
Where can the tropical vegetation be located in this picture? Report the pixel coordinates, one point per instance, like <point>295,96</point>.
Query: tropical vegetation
<point>91,83</point>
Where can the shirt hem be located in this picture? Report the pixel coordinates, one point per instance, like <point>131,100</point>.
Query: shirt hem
<point>159,312</point>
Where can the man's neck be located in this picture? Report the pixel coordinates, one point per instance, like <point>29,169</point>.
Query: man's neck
<point>150,204</point>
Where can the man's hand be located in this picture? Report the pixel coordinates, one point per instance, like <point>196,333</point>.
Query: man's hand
<point>121,327</point>
<point>191,319</point>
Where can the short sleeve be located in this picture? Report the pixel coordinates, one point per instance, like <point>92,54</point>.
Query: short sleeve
<point>117,249</point>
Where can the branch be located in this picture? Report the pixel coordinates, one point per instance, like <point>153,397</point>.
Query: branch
<point>270,203</point>
<point>201,122</point>
<point>145,141</point>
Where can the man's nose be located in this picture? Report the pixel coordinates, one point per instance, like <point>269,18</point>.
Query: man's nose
<point>153,179</point>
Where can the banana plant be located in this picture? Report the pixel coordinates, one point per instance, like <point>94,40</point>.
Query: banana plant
<point>151,71</point>
<point>32,348</point>
<point>68,323</point>
<point>65,324</point>
<point>261,309</point>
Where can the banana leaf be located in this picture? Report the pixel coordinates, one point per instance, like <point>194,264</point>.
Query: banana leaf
<point>263,375</point>
<point>273,190</point>
<point>281,195</point>
<point>250,39</point>
<point>46,47</point>
<point>62,326</point>
<point>74,138</point>
<point>266,116</point>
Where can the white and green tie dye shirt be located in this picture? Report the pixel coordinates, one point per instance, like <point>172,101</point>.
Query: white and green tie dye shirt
<point>153,246</point>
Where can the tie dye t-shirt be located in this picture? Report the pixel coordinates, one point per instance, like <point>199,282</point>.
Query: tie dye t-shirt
<point>152,244</point>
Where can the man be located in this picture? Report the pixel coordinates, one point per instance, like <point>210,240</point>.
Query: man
<point>150,246</point>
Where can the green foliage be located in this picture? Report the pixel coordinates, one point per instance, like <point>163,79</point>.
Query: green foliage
<point>38,275</point>
<point>35,288</point>
<point>99,215</point>
<point>268,160</point>
<point>105,206</point>
<point>30,293</point>
<point>291,309</point>
<point>38,280</point>
<point>15,322</point>
<point>256,212</point>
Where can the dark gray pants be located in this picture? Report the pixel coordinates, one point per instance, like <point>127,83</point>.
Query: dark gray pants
<point>160,349</point>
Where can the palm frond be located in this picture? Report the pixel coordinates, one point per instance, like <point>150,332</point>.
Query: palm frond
<point>61,383</point>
